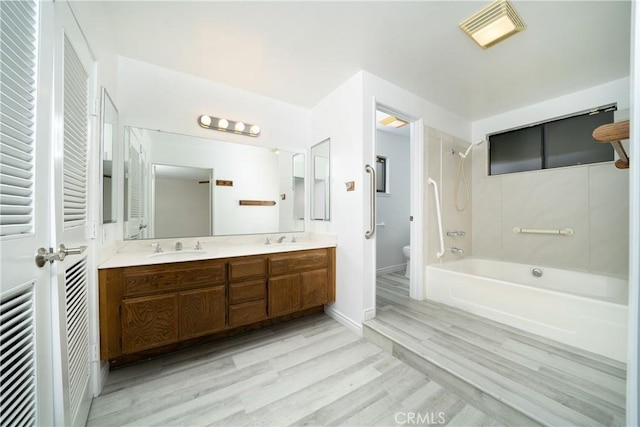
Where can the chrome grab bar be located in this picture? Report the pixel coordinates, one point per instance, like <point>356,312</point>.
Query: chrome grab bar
<point>372,216</point>
<point>440,253</point>
<point>563,232</point>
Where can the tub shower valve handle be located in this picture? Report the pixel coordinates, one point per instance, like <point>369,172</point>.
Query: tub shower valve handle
<point>456,233</point>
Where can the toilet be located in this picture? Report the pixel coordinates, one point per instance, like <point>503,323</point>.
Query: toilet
<point>406,251</point>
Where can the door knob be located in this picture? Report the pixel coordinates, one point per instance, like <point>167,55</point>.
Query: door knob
<point>43,256</point>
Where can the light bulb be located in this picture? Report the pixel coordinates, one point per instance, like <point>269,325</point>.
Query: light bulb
<point>255,129</point>
<point>223,123</point>
<point>205,120</point>
<point>239,127</point>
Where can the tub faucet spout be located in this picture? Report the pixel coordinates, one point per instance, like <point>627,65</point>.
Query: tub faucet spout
<point>457,251</point>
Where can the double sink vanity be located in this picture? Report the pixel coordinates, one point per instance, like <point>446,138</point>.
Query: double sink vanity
<point>156,302</point>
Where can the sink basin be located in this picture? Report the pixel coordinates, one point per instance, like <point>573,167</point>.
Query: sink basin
<point>178,254</point>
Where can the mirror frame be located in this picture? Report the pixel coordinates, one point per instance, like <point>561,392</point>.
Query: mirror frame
<point>327,199</point>
<point>107,102</point>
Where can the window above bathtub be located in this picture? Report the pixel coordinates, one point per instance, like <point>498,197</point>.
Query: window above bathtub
<point>560,142</point>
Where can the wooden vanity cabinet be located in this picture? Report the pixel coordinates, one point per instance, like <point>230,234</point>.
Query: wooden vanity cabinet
<point>153,309</point>
<point>298,280</point>
<point>247,290</point>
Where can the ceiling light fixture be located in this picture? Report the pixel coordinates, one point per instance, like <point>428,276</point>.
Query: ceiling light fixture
<point>393,122</point>
<point>492,24</point>
<point>224,125</point>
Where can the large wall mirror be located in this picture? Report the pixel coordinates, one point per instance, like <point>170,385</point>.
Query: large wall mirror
<point>108,146</point>
<point>186,186</point>
<point>320,185</point>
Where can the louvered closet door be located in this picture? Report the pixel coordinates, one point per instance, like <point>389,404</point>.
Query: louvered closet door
<point>75,88</point>
<point>26,367</point>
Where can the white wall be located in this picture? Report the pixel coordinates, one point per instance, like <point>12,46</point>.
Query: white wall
<point>339,117</point>
<point>153,97</point>
<point>591,199</point>
<point>393,208</point>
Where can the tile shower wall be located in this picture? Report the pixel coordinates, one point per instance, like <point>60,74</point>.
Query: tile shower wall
<point>442,160</point>
<point>593,200</point>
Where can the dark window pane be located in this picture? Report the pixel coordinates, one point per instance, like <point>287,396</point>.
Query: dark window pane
<point>515,151</point>
<point>569,141</point>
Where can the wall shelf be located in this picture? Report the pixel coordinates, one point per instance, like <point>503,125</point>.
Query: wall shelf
<point>613,133</point>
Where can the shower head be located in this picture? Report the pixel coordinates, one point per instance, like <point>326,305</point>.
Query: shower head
<point>474,144</point>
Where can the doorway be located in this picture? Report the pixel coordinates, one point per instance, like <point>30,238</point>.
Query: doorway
<point>398,155</point>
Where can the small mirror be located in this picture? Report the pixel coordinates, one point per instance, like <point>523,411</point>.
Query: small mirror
<point>108,144</point>
<point>298,186</point>
<point>320,188</point>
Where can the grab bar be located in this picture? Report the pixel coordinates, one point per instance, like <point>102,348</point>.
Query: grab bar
<point>372,216</point>
<point>439,254</point>
<point>563,232</point>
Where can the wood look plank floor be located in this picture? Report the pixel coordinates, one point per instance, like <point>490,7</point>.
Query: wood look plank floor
<point>310,371</point>
<point>549,382</point>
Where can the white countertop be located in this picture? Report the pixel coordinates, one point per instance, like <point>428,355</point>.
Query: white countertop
<point>141,252</point>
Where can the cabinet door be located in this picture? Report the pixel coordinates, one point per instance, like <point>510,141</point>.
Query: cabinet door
<point>202,311</point>
<point>149,322</point>
<point>314,288</point>
<point>284,294</point>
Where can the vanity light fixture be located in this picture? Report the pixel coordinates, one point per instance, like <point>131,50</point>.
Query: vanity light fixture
<point>493,23</point>
<point>224,125</point>
<point>393,122</point>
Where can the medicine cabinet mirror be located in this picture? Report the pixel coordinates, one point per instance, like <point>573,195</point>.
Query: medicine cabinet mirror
<point>186,186</point>
<point>108,146</point>
<point>320,185</point>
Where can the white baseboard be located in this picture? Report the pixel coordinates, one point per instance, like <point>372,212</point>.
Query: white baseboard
<point>343,320</point>
<point>369,314</point>
<point>392,269</point>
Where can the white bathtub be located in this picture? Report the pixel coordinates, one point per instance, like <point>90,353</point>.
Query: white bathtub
<point>584,310</point>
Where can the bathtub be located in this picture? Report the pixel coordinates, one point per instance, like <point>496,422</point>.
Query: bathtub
<point>583,310</point>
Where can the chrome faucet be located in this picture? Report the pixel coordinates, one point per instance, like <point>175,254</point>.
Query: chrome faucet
<point>281,239</point>
<point>267,241</point>
<point>457,251</point>
<point>455,233</point>
<point>198,245</point>
<point>293,239</point>
<point>157,249</point>
<point>178,246</point>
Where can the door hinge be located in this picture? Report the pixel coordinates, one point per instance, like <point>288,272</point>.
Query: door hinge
<point>96,107</point>
<point>92,228</point>
<point>94,353</point>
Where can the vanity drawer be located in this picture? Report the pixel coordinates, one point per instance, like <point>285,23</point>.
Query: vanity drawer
<point>289,262</point>
<point>170,277</point>
<point>248,312</point>
<point>247,268</point>
<point>247,291</point>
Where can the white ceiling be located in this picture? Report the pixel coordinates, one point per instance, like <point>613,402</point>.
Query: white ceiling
<point>298,51</point>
